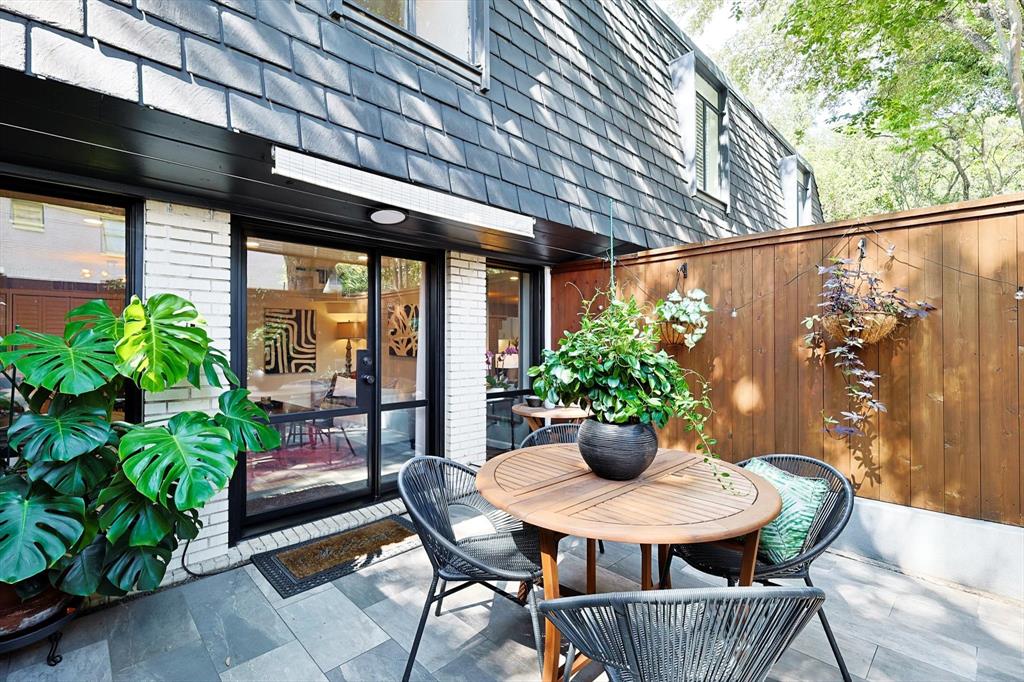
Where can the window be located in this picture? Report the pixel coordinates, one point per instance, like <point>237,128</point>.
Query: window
<point>53,258</point>
<point>797,191</point>
<point>707,129</point>
<point>27,215</point>
<point>446,24</point>
<point>512,342</point>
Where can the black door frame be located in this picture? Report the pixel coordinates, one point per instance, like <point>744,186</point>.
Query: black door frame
<point>242,526</point>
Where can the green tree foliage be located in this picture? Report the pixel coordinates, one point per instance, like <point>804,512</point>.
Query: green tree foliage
<point>896,103</point>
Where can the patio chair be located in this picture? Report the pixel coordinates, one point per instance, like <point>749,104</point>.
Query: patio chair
<point>556,433</point>
<point>827,525</point>
<point>430,486</point>
<point>695,635</point>
<point>550,435</point>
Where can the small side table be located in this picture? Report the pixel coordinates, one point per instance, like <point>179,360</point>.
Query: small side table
<point>535,416</point>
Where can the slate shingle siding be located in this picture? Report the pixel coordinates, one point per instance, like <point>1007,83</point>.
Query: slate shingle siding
<point>579,109</point>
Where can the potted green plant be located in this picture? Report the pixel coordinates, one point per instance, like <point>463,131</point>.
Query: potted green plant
<point>683,318</point>
<point>89,504</point>
<point>612,366</point>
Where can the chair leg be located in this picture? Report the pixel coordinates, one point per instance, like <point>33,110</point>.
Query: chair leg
<point>831,638</point>
<point>419,630</point>
<point>531,600</point>
<point>440,597</point>
<point>666,569</point>
<point>600,546</point>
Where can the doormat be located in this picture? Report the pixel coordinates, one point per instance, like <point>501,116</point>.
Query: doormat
<point>297,568</point>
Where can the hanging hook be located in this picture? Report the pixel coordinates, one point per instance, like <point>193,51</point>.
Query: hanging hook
<point>862,246</point>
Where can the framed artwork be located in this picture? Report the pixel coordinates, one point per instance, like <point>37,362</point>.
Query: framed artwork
<point>403,328</point>
<point>289,340</point>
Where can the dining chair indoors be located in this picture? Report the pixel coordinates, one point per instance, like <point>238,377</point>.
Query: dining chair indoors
<point>829,522</point>
<point>430,488</point>
<point>552,435</point>
<point>693,635</point>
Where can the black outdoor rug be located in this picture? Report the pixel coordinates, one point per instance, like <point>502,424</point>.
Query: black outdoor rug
<point>297,568</point>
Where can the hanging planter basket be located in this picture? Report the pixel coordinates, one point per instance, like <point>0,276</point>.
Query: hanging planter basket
<point>874,326</point>
<point>670,336</point>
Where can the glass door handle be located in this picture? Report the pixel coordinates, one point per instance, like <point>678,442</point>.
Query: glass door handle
<point>368,379</point>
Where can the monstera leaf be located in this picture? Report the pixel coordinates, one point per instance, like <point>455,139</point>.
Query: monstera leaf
<point>78,476</point>
<point>213,361</point>
<point>36,530</point>
<point>84,570</point>
<point>161,339</point>
<point>97,316</point>
<point>83,363</point>
<point>246,422</point>
<point>191,458</point>
<point>138,567</point>
<point>67,431</point>
<point>128,514</point>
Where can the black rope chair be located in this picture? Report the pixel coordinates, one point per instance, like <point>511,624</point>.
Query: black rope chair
<point>827,525</point>
<point>430,486</point>
<point>549,435</point>
<point>695,635</point>
<point>554,434</point>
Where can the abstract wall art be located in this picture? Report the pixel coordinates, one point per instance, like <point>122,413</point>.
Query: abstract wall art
<point>403,329</point>
<point>289,340</point>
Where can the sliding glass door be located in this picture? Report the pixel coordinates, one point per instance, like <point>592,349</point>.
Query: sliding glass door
<point>337,351</point>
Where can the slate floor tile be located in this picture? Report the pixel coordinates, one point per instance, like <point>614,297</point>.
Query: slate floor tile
<point>287,663</point>
<point>272,596</point>
<point>155,624</point>
<point>484,659</point>
<point>190,663</point>
<point>795,666</point>
<point>90,663</point>
<point>383,663</point>
<point>236,621</point>
<point>892,666</point>
<point>857,652</point>
<point>331,628</point>
<point>999,666</point>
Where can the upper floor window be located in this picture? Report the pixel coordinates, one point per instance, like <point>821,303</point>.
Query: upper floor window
<point>797,191</point>
<point>708,132</point>
<point>446,24</point>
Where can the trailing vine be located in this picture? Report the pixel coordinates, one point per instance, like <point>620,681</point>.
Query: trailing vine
<point>852,299</point>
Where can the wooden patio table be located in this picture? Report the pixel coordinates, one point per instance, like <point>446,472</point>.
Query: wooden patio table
<point>676,501</point>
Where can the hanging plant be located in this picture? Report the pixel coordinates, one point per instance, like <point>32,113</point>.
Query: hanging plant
<point>857,311</point>
<point>683,318</point>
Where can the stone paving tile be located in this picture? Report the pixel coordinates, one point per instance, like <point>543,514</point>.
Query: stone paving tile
<point>484,659</point>
<point>287,663</point>
<point>999,666</point>
<point>331,628</point>
<point>190,662</point>
<point>891,666</point>
<point>154,625</point>
<point>236,621</point>
<point>857,652</point>
<point>795,666</point>
<point>90,663</point>
<point>268,591</point>
<point>383,663</point>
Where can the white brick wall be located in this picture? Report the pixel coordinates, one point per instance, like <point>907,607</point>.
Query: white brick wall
<point>465,332</point>
<point>187,252</point>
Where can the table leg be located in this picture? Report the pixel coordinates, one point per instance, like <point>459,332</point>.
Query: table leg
<point>591,566</point>
<point>646,582</point>
<point>663,551</point>
<point>549,567</point>
<point>749,561</point>
<point>534,423</point>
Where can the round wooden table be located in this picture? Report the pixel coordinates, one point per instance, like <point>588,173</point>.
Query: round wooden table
<point>676,501</point>
<point>535,416</point>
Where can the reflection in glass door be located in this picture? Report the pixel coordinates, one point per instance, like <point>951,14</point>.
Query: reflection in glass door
<point>337,354</point>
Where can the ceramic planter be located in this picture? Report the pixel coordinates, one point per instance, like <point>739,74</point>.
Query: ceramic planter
<point>619,452</point>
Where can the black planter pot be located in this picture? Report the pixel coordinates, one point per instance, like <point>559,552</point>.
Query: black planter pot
<point>619,452</point>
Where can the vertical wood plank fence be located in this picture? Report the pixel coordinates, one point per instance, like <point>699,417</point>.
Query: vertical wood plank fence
<point>950,440</point>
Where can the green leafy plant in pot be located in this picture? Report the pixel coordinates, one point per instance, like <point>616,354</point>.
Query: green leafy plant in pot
<point>612,366</point>
<point>89,504</point>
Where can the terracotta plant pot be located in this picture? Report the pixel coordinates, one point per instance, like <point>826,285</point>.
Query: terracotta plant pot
<point>17,615</point>
<point>876,326</point>
<point>619,452</point>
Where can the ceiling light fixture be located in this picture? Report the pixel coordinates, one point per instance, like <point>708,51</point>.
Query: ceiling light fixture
<point>387,216</point>
<point>514,278</point>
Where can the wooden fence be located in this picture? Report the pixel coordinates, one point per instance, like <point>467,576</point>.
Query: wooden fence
<point>951,438</point>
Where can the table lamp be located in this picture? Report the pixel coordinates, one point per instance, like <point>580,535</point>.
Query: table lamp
<point>348,330</point>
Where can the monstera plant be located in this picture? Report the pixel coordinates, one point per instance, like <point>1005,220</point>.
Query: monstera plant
<point>90,504</point>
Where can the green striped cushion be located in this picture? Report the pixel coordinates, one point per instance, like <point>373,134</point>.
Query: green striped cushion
<point>783,538</point>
